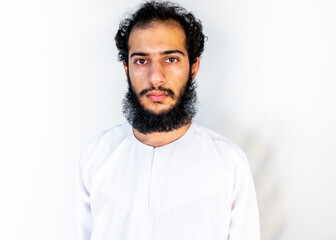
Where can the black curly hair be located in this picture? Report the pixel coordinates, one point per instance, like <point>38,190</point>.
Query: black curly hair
<point>153,10</point>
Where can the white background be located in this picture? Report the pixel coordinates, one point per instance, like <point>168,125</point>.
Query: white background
<point>267,82</point>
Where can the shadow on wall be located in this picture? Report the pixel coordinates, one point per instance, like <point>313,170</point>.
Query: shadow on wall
<point>263,159</point>
<point>268,186</point>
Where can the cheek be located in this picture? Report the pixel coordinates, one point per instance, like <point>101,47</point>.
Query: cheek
<point>181,71</point>
<point>138,79</point>
<point>179,77</point>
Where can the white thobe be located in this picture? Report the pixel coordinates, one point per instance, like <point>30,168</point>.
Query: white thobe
<point>198,187</point>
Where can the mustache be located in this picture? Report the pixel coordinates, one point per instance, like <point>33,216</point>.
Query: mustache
<point>160,88</point>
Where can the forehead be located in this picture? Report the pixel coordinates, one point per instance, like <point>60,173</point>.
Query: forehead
<point>157,35</point>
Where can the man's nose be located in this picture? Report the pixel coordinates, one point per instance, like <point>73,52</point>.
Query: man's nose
<point>156,75</point>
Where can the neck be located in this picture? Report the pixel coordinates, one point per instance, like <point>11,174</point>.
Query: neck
<point>158,139</point>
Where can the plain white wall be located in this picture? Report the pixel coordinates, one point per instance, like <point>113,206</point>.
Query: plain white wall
<point>267,82</point>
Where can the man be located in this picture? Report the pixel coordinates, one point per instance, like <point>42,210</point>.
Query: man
<point>161,175</point>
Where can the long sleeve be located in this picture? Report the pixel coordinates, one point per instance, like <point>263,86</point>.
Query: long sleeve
<point>81,222</point>
<point>244,211</point>
<point>82,225</point>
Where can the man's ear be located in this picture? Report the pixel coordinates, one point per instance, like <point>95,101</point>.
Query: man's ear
<point>125,67</point>
<point>194,67</point>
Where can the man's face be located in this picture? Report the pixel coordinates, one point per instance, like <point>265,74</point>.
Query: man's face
<point>158,64</point>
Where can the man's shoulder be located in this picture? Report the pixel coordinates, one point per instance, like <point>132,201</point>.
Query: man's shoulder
<point>115,134</point>
<point>211,135</point>
<point>105,141</point>
<point>219,143</point>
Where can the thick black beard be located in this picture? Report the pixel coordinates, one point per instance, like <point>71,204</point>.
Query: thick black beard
<point>146,121</point>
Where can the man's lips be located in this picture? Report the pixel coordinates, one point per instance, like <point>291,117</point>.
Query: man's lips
<point>157,96</point>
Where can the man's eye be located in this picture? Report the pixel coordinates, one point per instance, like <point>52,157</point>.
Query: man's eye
<point>171,60</point>
<point>141,61</point>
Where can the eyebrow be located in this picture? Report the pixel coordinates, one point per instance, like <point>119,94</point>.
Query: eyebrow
<point>172,51</point>
<point>162,53</point>
<point>139,54</point>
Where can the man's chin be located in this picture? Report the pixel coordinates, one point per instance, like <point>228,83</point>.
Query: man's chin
<point>158,109</point>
